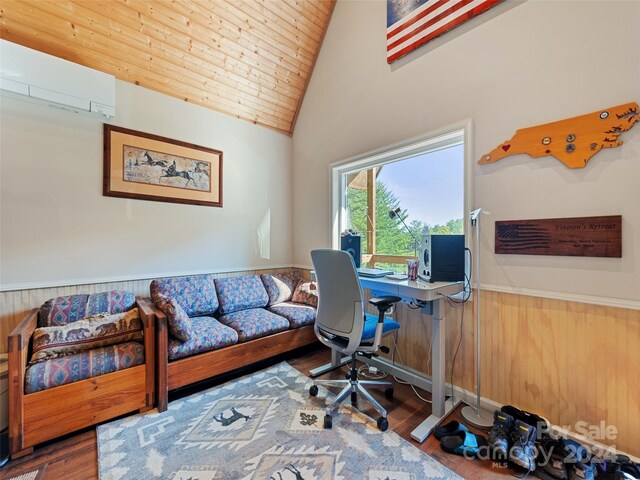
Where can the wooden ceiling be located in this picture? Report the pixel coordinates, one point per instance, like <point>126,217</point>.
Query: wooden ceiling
<point>248,58</point>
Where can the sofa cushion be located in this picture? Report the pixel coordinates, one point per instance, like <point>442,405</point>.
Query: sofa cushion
<point>86,334</point>
<point>208,334</point>
<point>80,366</point>
<point>64,310</point>
<point>241,293</point>
<point>196,294</point>
<point>279,286</point>
<point>254,323</point>
<point>177,318</point>
<point>306,292</point>
<point>298,314</point>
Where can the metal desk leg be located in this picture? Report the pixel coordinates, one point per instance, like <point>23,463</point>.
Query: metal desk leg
<point>337,360</point>
<point>439,408</point>
<point>438,361</point>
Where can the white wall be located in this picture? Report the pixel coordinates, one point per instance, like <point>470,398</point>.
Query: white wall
<point>57,228</point>
<point>538,62</point>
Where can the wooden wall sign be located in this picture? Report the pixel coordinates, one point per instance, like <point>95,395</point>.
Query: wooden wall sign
<point>572,141</point>
<point>581,236</point>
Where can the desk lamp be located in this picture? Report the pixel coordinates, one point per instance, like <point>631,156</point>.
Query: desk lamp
<point>395,213</point>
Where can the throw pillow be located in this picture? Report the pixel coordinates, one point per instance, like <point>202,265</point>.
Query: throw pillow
<point>307,293</point>
<point>280,286</point>
<point>178,320</point>
<point>91,332</point>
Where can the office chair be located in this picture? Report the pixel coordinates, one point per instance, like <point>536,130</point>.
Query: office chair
<point>342,324</point>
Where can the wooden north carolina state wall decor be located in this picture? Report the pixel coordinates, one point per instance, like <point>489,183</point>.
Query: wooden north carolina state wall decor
<point>575,237</point>
<point>572,141</point>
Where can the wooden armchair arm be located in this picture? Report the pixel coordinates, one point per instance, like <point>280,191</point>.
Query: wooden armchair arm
<point>17,362</point>
<point>161,352</point>
<point>147,312</point>
<point>148,317</point>
<point>21,335</point>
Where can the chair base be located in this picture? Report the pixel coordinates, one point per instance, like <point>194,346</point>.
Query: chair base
<point>353,387</point>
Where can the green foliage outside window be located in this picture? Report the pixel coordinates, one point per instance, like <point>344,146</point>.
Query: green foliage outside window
<point>391,236</point>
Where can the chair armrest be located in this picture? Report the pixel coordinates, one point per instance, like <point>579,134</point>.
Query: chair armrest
<point>384,303</point>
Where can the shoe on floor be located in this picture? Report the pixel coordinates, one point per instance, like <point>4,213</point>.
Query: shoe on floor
<point>464,443</point>
<point>499,434</point>
<point>608,468</point>
<point>550,462</point>
<point>582,471</point>
<point>450,428</point>
<point>523,452</point>
<point>628,471</point>
<point>542,426</point>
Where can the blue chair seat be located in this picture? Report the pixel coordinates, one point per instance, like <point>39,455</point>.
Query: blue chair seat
<point>370,322</point>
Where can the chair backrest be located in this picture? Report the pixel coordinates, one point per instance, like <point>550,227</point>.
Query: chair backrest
<point>340,316</point>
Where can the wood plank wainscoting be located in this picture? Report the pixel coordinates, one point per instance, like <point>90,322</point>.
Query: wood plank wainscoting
<point>568,361</point>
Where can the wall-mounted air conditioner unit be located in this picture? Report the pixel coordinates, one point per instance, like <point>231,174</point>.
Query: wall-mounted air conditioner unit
<point>41,77</point>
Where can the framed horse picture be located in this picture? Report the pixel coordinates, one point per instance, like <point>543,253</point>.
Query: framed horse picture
<point>149,167</point>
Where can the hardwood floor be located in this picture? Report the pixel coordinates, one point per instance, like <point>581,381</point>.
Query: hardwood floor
<point>76,457</point>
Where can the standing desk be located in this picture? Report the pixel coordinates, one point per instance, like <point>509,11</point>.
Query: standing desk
<point>433,296</point>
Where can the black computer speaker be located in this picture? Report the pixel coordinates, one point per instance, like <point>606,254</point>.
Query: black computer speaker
<point>350,242</point>
<point>447,258</point>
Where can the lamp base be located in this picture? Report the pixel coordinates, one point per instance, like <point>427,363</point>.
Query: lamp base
<point>482,419</point>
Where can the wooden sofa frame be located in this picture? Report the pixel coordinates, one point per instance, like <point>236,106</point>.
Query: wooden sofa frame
<point>40,416</point>
<point>201,366</point>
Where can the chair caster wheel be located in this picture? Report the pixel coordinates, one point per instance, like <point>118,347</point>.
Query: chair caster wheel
<point>354,398</point>
<point>383,424</point>
<point>388,393</point>
<point>313,390</point>
<point>327,421</point>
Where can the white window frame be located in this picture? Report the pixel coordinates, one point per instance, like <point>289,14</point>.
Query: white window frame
<point>449,136</point>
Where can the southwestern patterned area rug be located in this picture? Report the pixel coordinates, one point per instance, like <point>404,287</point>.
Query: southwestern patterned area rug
<point>262,426</point>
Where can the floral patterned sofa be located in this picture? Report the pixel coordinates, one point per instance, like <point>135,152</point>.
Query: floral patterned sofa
<point>206,326</point>
<point>76,361</point>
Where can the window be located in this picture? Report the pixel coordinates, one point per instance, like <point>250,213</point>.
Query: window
<point>422,180</point>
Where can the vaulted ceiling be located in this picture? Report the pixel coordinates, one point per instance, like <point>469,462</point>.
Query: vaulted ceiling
<point>248,58</point>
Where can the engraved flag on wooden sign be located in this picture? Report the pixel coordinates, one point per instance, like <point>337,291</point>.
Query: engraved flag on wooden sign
<point>411,23</point>
<point>582,236</point>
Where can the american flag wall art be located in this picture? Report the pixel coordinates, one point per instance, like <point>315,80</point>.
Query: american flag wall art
<point>411,23</point>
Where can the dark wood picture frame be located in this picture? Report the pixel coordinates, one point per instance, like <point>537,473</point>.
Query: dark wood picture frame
<point>118,174</point>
